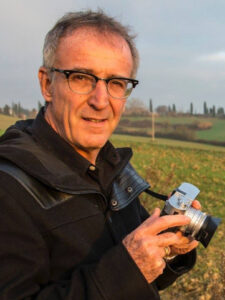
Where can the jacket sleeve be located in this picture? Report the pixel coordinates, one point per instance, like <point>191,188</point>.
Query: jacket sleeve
<point>26,269</point>
<point>177,267</point>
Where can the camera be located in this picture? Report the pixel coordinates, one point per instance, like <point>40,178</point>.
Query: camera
<point>202,226</point>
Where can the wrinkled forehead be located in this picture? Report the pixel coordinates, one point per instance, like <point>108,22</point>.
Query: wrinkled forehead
<point>97,35</point>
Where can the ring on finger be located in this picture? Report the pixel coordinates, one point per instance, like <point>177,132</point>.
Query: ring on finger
<point>167,251</point>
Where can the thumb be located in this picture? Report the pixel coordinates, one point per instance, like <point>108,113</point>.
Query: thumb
<point>155,214</point>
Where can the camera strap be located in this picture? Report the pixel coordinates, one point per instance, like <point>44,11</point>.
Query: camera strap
<point>156,195</point>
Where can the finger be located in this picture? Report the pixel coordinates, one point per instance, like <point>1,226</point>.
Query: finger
<point>165,222</point>
<point>156,212</point>
<point>155,215</point>
<point>166,239</point>
<point>183,239</point>
<point>193,245</point>
<point>196,204</point>
<point>183,249</point>
<point>181,234</point>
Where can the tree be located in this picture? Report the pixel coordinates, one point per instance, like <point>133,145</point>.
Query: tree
<point>205,109</point>
<point>174,108</point>
<point>213,111</point>
<point>15,109</point>
<point>150,106</point>
<point>191,108</point>
<point>162,109</point>
<point>39,105</point>
<point>6,110</point>
<point>220,111</point>
<point>33,113</point>
<point>136,107</point>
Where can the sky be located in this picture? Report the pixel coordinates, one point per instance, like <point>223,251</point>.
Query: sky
<point>181,45</point>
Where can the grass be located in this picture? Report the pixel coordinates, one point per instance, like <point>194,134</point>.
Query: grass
<point>216,133</point>
<point>167,142</point>
<point>165,166</point>
<point>6,121</point>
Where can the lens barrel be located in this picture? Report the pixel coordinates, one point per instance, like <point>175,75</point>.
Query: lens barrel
<point>207,230</point>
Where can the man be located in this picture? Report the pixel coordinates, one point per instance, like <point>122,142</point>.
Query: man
<point>71,225</point>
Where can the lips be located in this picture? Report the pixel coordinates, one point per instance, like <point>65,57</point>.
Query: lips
<point>94,120</point>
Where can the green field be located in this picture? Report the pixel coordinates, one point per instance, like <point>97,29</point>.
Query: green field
<point>165,167</point>
<point>6,121</point>
<point>216,133</point>
<point>167,142</point>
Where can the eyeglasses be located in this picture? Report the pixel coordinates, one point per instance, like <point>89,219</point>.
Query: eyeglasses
<point>84,83</point>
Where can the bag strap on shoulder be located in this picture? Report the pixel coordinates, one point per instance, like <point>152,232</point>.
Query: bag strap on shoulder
<point>46,197</point>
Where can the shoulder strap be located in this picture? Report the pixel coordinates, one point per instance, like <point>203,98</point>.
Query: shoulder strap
<point>156,195</point>
<point>45,196</point>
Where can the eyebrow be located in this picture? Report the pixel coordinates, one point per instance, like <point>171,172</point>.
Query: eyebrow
<point>91,71</point>
<point>82,70</point>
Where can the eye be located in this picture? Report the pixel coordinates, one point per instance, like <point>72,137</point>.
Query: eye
<point>119,83</point>
<point>79,77</point>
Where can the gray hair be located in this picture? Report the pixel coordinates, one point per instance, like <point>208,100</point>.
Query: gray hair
<point>97,20</point>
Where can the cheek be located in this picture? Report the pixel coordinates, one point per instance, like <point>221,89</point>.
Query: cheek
<point>118,108</point>
<point>66,102</point>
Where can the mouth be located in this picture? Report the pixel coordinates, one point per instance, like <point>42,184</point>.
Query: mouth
<point>92,120</point>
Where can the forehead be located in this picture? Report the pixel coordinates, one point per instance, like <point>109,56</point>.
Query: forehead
<point>89,45</point>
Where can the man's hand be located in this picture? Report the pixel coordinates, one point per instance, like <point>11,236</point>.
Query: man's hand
<point>146,244</point>
<point>196,204</point>
<point>186,244</point>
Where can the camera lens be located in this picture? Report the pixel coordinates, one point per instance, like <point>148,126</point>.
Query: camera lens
<point>207,230</point>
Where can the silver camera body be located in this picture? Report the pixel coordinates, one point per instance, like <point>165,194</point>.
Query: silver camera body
<point>202,226</point>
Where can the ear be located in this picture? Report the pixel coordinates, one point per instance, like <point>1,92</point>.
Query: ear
<point>45,84</point>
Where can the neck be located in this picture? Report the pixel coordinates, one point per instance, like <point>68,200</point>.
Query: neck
<point>90,155</point>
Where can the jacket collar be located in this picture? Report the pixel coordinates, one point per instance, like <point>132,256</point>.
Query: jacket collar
<point>38,150</point>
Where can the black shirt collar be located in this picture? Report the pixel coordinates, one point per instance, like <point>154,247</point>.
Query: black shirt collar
<point>109,160</point>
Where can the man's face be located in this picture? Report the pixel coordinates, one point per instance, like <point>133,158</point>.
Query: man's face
<point>87,121</point>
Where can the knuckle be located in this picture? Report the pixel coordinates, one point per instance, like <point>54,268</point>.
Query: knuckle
<point>144,243</point>
<point>168,235</point>
<point>160,265</point>
<point>154,251</point>
<point>137,234</point>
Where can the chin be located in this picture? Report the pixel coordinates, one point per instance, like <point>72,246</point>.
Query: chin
<point>95,143</point>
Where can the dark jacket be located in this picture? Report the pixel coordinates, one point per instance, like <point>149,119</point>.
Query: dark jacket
<point>69,248</point>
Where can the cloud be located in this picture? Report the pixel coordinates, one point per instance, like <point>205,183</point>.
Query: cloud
<point>214,57</point>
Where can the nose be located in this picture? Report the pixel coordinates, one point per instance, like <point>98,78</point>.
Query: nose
<point>99,98</point>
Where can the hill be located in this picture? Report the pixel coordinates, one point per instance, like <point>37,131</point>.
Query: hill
<point>190,128</point>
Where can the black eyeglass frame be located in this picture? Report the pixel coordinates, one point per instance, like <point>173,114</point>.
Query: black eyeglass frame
<point>67,73</point>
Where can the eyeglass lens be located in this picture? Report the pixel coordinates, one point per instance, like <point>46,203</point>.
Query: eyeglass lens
<point>84,84</point>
